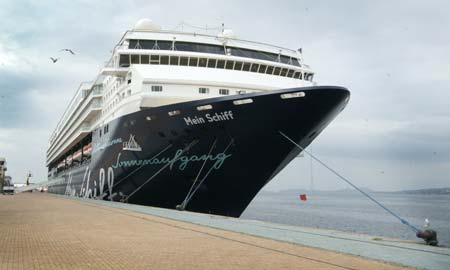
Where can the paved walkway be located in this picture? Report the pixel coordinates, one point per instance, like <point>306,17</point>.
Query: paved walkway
<point>40,231</point>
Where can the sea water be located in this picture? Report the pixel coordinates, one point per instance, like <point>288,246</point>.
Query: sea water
<point>352,212</point>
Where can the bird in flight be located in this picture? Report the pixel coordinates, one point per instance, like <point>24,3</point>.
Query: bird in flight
<point>54,60</point>
<point>68,50</point>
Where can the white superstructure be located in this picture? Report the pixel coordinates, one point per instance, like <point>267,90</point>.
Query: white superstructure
<point>150,67</point>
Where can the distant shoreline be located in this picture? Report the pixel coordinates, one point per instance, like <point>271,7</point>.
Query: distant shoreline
<point>428,191</point>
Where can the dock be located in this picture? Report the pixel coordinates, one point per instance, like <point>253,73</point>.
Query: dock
<point>46,231</point>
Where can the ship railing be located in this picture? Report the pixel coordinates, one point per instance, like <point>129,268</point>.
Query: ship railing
<point>94,104</point>
<point>76,99</point>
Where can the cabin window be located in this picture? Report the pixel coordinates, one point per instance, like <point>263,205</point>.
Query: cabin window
<point>134,59</point>
<point>229,65</point>
<point>238,66</point>
<point>157,88</point>
<point>154,59</point>
<point>164,60</point>
<point>224,91</point>
<point>212,63</point>
<point>165,45</point>
<point>220,63</point>
<point>202,62</point>
<point>124,60</point>
<point>290,73</point>
<point>174,60</point>
<point>269,70</point>
<point>184,61</point>
<point>203,90</point>
<point>277,71</point>
<point>262,69</point>
<point>283,72</point>
<point>193,61</point>
<point>246,67</point>
<point>144,59</point>
<point>254,68</point>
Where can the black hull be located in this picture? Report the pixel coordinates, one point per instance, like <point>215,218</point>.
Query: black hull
<point>222,160</point>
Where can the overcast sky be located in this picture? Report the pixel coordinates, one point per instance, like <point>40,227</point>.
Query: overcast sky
<point>394,56</point>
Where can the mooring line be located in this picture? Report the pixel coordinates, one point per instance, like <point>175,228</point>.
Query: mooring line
<point>410,226</point>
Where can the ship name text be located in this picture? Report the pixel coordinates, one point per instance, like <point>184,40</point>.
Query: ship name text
<point>209,118</point>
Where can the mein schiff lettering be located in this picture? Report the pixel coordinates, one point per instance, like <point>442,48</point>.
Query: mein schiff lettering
<point>209,118</point>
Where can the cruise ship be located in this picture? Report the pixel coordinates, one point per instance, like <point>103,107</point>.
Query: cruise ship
<point>188,121</point>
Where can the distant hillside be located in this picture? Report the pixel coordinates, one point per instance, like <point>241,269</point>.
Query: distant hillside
<point>428,191</point>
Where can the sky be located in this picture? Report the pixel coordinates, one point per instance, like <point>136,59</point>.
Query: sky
<point>394,56</point>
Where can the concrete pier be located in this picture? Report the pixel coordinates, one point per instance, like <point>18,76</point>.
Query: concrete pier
<point>44,231</point>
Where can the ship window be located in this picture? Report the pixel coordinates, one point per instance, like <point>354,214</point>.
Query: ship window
<point>292,95</point>
<point>134,59</point>
<point>203,90</point>
<point>157,88</point>
<point>165,45</point>
<point>124,60</point>
<point>193,61</point>
<point>246,67</point>
<point>144,59</point>
<point>147,44</point>
<point>202,62</point>
<point>285,59</point>
<point>254,68</point>
<point>224,91</point>
<point>262,69</point>
<point>184,61</point>
<point>129,81</point>
<point>243,101</point>
<point>212,63</point>
<point>204,107</point>
<point>277,71</point>
<point>220,63</point>
<point>150,117</point>
<point>238,66</point>
<point>164,60</point>
<point>154,59</point>
<point>229,65</point>
<point>174,60</point>
<point>269,70</point>
<point>283,72</point>
<point>298,75</point>
<point>172,113</point>
<point>290,73</point>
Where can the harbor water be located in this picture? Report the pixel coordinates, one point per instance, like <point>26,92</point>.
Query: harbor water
<point>351,212</point>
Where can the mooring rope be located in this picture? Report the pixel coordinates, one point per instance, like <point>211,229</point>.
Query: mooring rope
<point>402,220</point>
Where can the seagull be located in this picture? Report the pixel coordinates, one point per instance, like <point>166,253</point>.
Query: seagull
<point>68,50</point>
<point>54,60</point>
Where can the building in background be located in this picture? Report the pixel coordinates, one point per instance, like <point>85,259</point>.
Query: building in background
<point>2,172</point>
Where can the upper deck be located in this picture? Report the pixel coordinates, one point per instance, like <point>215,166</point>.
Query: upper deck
<point>147,51</point>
